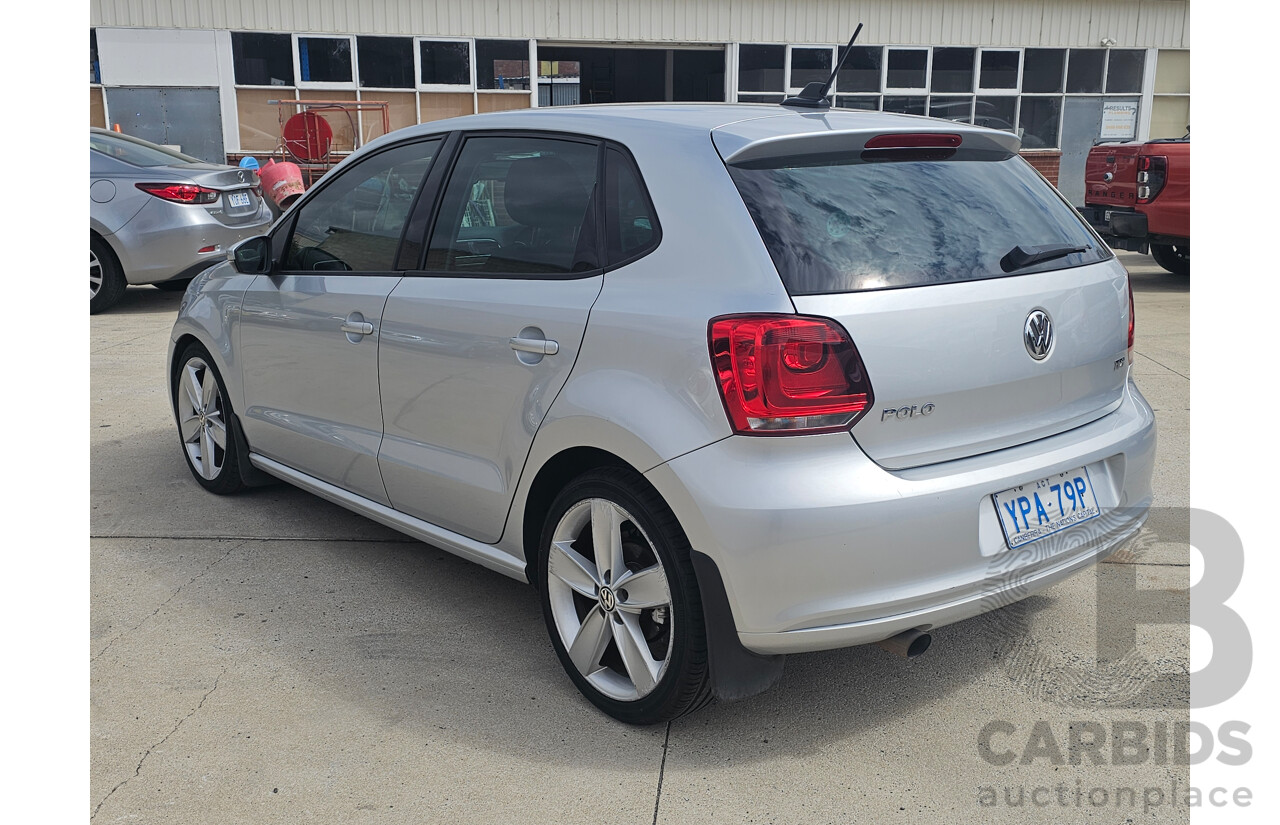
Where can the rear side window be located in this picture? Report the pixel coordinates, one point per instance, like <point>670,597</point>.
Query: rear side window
<point>631,227</point>
<point>136,152</point>
<point>518,205</point>
<point>842,224</point>
<point>354,223</point>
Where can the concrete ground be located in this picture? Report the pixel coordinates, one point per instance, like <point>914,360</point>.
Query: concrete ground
<point>271,658</point>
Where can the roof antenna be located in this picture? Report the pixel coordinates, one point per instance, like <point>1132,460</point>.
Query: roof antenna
<point>814,95</point>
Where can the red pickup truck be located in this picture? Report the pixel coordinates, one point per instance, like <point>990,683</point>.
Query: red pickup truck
<point>1138,197</point>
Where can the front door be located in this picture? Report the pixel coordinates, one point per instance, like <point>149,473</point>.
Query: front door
<point>309,332</point>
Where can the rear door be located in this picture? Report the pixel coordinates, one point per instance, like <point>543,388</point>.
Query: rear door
<point>476,344</point>
<point>309,332</point>
<point>970,344</point>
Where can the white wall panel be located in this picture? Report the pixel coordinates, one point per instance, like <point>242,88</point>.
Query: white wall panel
<point>1143,23</point>
<point>152,57</point>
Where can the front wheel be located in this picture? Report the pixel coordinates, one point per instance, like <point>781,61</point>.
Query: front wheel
<point>204,422</point>
<point>621,601</point>
<point>1173,257</point>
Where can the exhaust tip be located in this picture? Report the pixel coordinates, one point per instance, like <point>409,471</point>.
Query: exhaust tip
<point>907,644</point>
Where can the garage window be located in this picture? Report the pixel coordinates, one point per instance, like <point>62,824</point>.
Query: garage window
<point>261,59</point>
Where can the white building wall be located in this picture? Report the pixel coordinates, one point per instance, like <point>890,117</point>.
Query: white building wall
<point>1131,23</point>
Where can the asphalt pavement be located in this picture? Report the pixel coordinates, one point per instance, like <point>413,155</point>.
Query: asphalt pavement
<point>272,658</point>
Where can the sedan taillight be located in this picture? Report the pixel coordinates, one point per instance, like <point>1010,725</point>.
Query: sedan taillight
<point>787,374</point>
<point>180,192</point>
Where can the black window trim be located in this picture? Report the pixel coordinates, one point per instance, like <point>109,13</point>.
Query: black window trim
<point>286,227</point>
<point>421,270</point>
<point>653,210</point>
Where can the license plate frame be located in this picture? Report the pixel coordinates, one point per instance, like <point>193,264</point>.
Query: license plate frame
<point>238,200</point>
<point>1044,502</point>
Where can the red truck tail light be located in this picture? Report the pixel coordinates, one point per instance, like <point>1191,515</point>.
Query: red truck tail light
<point>180,192</point>
<point>1153,171</point>
<point>787,374</point>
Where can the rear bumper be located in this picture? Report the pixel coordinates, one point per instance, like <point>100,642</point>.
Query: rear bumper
<point>163,240</point>
<point>818,547</point>
<point>1122,227</point>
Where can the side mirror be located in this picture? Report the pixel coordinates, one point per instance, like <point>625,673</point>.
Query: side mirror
<point>252,256</point>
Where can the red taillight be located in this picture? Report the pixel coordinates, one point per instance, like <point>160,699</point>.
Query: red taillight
<point>180,192</point>
<point>925,140</point>
<point>783,374</point>
<point>1131,319</point>
<point>1153,171</point>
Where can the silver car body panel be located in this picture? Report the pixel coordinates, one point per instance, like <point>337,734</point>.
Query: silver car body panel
<point>310,386</point>
<point>460,404</point>
<point>818,544</point>
<point>959,347</point>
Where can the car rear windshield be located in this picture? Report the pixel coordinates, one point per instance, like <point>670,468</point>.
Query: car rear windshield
<point>842,224</point>
<point>136,152</point>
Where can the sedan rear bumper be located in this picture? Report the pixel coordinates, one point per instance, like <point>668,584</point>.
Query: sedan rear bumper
<point>163,241</point>
<point>820,548</point>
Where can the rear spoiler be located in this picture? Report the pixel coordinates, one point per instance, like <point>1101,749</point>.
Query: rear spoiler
<point>735,148</point>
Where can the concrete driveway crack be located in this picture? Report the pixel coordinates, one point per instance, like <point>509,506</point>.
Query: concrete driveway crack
<point>138,769</point>
<point>661,771</point>
<point>172,595</point>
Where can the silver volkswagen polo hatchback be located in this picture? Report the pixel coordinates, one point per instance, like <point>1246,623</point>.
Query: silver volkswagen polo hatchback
<point>722,382</point>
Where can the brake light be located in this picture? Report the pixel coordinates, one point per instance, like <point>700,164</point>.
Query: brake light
<point>1131,318</point>
<point>180,192</point>
<point>786,374</point>
<point>914,141</point>
<point>1152,173</point>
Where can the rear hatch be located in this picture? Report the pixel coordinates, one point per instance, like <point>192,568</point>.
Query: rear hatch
<point>903,245</point>
<point>1111,175</point>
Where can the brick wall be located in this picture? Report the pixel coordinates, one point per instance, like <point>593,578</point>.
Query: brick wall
<point>1046,162</point>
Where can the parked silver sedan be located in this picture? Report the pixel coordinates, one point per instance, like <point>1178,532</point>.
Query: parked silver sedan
<point>722,382</point>
<point>160,217</point>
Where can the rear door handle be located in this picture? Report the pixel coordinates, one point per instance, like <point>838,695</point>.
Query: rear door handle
<point>357,327</point>
<point>537,346</point>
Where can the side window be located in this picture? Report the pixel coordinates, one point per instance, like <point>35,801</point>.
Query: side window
<point>518,205</point>
<point>631,227</point>
<point>355,222</point>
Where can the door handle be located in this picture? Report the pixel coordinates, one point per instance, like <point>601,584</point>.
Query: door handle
<point>537,346</point>
<point>357,327</point>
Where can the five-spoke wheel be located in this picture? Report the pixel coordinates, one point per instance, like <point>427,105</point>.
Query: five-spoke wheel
<point>204,415</point>
<point>621,601</point>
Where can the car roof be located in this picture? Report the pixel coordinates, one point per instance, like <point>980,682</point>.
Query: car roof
<point>737,124</point>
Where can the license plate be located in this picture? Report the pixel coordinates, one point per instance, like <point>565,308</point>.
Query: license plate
<point>1032,511</point>
<point>238,199</point>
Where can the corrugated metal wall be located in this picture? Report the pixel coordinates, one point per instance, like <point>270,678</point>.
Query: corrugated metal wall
<point>1133,23</point>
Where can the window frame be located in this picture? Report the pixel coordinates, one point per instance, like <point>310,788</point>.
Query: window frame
<point>285,228</point>
<point>786,68</point>
<point>906,91</point>
<point>469,86</point>
<point>299,83</point>
<point>996,91</point>
<point>447,162</point>
<point>355,60</point>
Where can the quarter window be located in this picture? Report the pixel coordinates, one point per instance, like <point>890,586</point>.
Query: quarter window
<point>631,227</point>
<point>518,205</point>
<point>355,222</point>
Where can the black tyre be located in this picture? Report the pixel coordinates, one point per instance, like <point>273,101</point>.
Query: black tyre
<point>173,286</point>
<point>1175,258</point>
<point>106,278</point>
<point>204,417</point>
<point>634,642</point>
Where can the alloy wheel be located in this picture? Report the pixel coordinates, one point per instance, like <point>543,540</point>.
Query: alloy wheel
<point>95,274</point>
<point>610,599</point>
<point>200,418</point>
